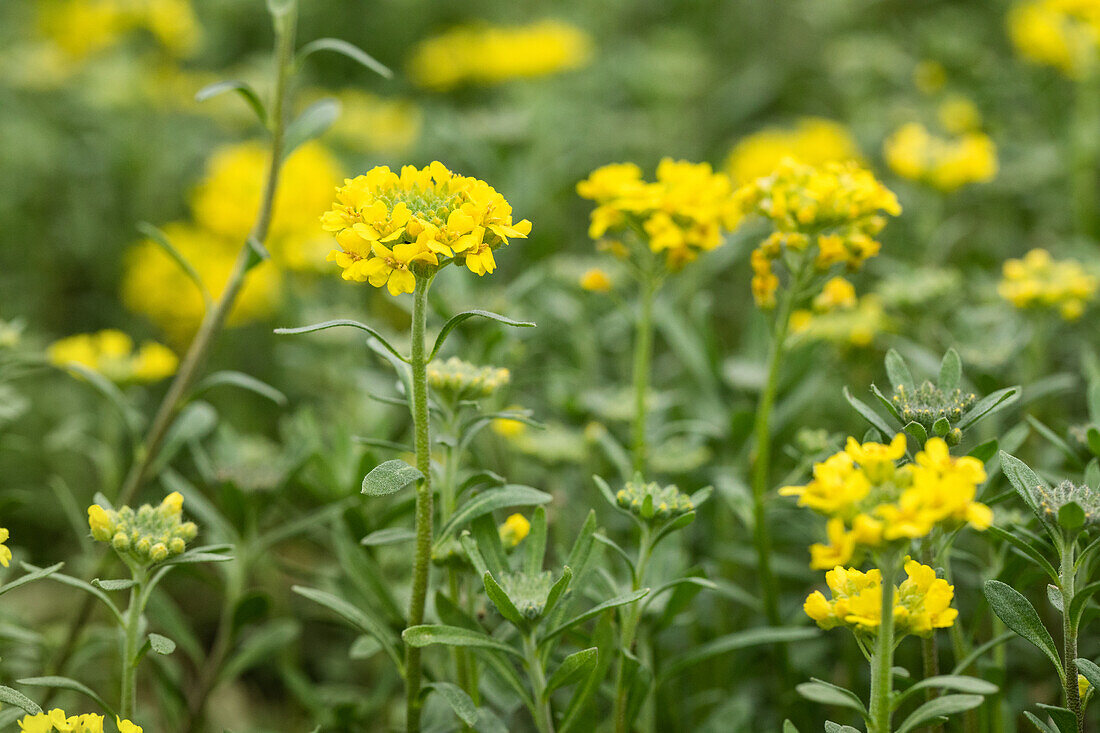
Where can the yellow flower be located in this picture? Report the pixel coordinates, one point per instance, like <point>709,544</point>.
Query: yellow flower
<point>958,114</point>
<point>837,206</point>
<point>5,552</point>
<point>149,534</point>
<point>922,602</point>
<point>483,54</point>
<point>112,354</point>
<point>226,201</point>
<point>944,163</point>
<point>514,530</point>
<point>390,227</point>
<point>1059,33</point>
<point>154,285</point>
<point>100,522</point>
<point>372,124</point>
<point>596,280</point>
<point>82,28</point>
<point>684,212</point>
<point>837,293</point>
<point>856,325</point>
<point>1082,685</point>
<point>1039,281</point>
<point>125,726</point>
<point>813,141</point>
<point>56,719</point>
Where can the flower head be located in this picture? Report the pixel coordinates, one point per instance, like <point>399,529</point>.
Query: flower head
<point>653,502</point>
<point>112,354</point>
<point>870,501</point>
<point>391,227</point>
<point>944,163</point>
<point>837,208</point>
<point>596,280</point>
<point>1064,34</point>
<point>484,54</point>
<point>1052,501</point>
<point>56,719</point>
<point>922,602</point>
<point>462,380</point>
<point>813,141</point>
<point>515,528</point>
<point>148,535</point>
<point>684,212</point>
<point>1039,281</point>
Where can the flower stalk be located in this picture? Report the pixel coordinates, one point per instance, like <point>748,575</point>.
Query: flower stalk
<point>643,359</point>
<point>882,661</point>
<point>130,651</point>
<point>1067,575</point>
<point>631,617</point>
<point>423,557</point>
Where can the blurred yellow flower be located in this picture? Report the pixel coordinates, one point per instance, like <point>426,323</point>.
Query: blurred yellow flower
<point>56,719</point>
<point>154,285</point>
<point>1064,34</point>
<point>226,201</point>
<point>112,354</point>
<point>391,227</point>
<point>856,324</point>
<point>684,212</point>
<point>460,379</point>
<point>959,114</point>
<point>1040,281</point>
<point>484,54</point>
<point>514,530</point>
<point>922,602</point>
<point>944,163</point>
<point>595,280</point>
<point>813,141</point>
<point>81,28</point>
<point>372,124</point>
<point>840,207</point>
<point>5,552</point>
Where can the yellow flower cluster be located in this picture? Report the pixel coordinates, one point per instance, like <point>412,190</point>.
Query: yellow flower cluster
<point>5,551</point>
<point>463,380</point>
<point>515,528</point>
<point>922,602</point>
<point>1064,34</point>
<point>1039,281</point>
<point>856,324</point>
<point>838,207</point>
<point>148,535</point>
<point>56,719</point>
<point>595,280</point>
<point>683,212</point>
<point>944,163</point>
<point>81,28</point>
<point>870,501</point>
<point>372,124</point>
<point>813,141</point>
<point>392,227</point>
<point>112,354</point>
<point>483,54</point>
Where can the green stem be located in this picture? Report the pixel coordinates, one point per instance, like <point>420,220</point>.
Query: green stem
<point>130,635</point>
<point>930,658</point>
<point>544,719</point>
<point>762,459</point>
<point>882,662</point>
<point>643,358</point>
<point>631,617</point>
<point>423,558</point>
<point>1069,633</point>
<point>212,322</point>
<point>1084,152</point>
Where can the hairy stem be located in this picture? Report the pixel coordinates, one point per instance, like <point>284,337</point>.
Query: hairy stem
<point>631,617</point>
<point>1069,633</point>
<point>544,719</point>
<point>423,557</point>
<point>882,662</point>
<point>130,633</point>
<point>643,358</point>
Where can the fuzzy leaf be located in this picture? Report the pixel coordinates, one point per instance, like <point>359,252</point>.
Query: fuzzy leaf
<point>455,320</point>
<point>1018,614</point>
<point>950,371</point>
<point>311,124</point>
<point>573,669</point>
<point>457,698</point>
<point>829,694</point>
<point>428,634</point>
<point>390,477</point>
<point>488,501</point>
<point>940,707</point>
<point>898,372</point>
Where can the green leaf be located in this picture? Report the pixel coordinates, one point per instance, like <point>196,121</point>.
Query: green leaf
<point>1081,598</point>
<point>1063,718</point>
<point>19,700</point>
<point>557,590</point>
<point>161,644</point>
<point>502,602</point>
<point>1093,402</point>
<point>110,585</point>
<point>64,683</point>
<point>1092,437</point>
<point>364,647</point>
<point>343,322</point>
<point>990,404</point>
<point>260,646</point>
<point>535,544</point>
<point>229,378</point>
<point>941,427</point>
<point>831,727</point>
<point>869,415</point>
<point>578,715</point>
<point>1056,440</point>
<point>595,611</point>
<point>457,698</point>
<point>459,318</point>
<point>257,253</point>
<point>388,536</point>
<point>31,577</point>
<point>311,124</point>
<point>357,618</point>
<point>1027,550</point>
<point>390,477</point>
<point>1092,474</point>
<point>789,727</point>
<point>1025,481</point>
<point>160,238</point>
<point>244,89</point>
<point>952,682</point>
<point>77,583</point>
<point>898,372</point>
<point>917,431</point>
<point>112,393</point>
<point>428,634</point>
<point>938,707</point>
<point>887,403</point>
<point>194,422</point>
<point>1018,614</point>
<point>984,451</point>
<point>1071,516</point>
<point>822,692</point>
<point>1038,723</point>
<point>510,495</point>
<point>732,642</point>
<point>347,49</point>
<point>950,371</point>
<point>1090,670</point>
<point>573,668</point>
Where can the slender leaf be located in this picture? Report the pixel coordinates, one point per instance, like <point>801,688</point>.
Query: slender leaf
<point>428,634</point>
<point>488,501</point>
<point>457,698</point>
<point>732,642</point>
<point>357,618</point>
<point>347,49</point>
<point>229,378</point>
<point>572,669</point>
<point>388,536</point>
<point>828,694</point>
<point>31,577</point>
<point>244,89</point>
<point>939,707</point>
<point>952,682</point>
<point>65,683</point>
<point>595,611</point>
<point>1018,614</point>
<point>991,403</point>
<point>869,415</point>
<point>460,317</point>
<point>950,372</point>
<point>502,602</point>
<point>343,322</point>
<point>160,238</point>
<point>311,124</point>
<point>898,372</point>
